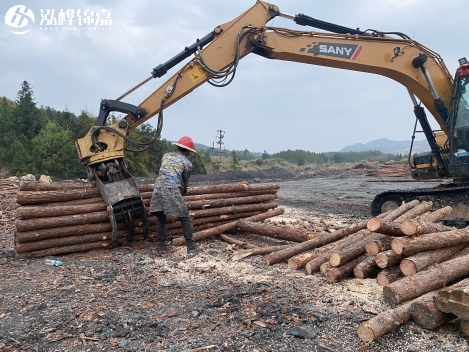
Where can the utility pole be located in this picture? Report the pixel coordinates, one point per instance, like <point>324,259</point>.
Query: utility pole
<point>221,135</point>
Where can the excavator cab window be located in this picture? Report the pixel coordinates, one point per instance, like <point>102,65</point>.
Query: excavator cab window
<point>461,125</point>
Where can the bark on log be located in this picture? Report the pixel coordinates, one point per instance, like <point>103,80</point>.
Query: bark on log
<point>84,247</point>
<point>437,215</point>
<point>384,322</point>
<point>421,227</point>
<point>411,245</point>
<point>375,223</point>
<point>344,255</point>
<point>199,221</point>
<point>388,275</point>
<point>465,327</point>
<point>229,226</point>
<point>334,274</point>
<point>376,246</point>
<point>441,298</point>
<point>217,203</point>
<point>59,221</point>
<point>418,210</point>
<point>420,261</point>
<point>392,228</point>
<point>431,279</point>
<point>320,240</point>
<point>234,241</point>
<point>54,186</point>
<point>256,251</point>
<point>387,259</point>
<point>283,233</point>
<point>224,195</point>
<point>323,268</point>
<point>426,314</point>
<point>24,213</point>
<point>458,302</point>
<point>233,187</point>
<point>231,210</point>
<point>365,268</point>
<point>38,197</point>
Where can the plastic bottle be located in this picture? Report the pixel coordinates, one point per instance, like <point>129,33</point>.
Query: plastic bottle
<point>53,262</point>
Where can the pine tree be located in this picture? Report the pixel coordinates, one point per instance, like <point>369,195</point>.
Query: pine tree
<point>29,120</point>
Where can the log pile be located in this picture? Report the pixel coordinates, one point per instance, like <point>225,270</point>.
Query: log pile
<point>390,172</point>
<point>8,186</point>
<point>59,218</point>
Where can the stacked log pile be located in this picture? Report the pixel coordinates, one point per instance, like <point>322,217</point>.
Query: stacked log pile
<point>59,218</point>
<point>390,172</point>
<point>409,252</point>
<point>8,186</point>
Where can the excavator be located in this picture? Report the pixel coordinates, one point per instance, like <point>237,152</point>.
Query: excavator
<point>214,59</point>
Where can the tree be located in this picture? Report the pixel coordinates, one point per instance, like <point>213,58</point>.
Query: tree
<point>234,160</point>
<point>28,119</point>
<point>265,155</point>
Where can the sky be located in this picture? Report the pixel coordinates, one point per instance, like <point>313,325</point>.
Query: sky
<point>270,106</point>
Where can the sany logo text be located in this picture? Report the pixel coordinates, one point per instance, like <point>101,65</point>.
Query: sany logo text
<point>343,51</point>
<point>21,18</point>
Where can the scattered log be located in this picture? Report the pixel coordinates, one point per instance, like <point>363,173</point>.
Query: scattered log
<point>283,233</point>
<point>365,268</point>
<point>431,279</point>
<point>229,226</point>
<point>384,322</point>
<point>426,314</point>
<point>376,246</point>
<point>344,255</point>
<point>375,223</point>
<point>320,240</point>
<point>420,261</point>
<point>388,275</point>
<point>256,251</point>
<point>411,245</point>
<point>334,274</point>
<point>421,227</point>
<point>236,242</point>
<point>387,259</point>
<point>441,298</point>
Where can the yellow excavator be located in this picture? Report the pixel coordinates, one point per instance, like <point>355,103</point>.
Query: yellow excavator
<point>214,59</point>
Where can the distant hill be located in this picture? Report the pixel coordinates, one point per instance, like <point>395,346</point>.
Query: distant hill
<point>388,146</point>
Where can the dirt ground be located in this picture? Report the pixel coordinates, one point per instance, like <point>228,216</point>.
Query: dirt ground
<point>134,299</point>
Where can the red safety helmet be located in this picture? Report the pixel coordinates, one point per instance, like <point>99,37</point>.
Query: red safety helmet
<point>186,143</point>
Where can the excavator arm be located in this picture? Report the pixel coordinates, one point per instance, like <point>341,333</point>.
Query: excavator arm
<point>214,59</point>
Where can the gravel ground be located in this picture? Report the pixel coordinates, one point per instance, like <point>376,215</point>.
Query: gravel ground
<point>134,299</point>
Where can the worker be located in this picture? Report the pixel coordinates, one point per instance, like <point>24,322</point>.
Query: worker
<point>170,185</point>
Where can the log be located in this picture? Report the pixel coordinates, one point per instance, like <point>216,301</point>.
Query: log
<point>421,227</point>
<point>38,197</point>
<point>59,221</point>
<point>84,247</point>
<point>388,275</point>
<point>418,210</point>
<point>376,246</point>
<point>392,228</point>
<point>54,186</point>
<point>375,223</point>
<point>411,245</point>
<point>217,203</point>
<point>465,327</point>
<point>334,274</point>
<point>420,261</point>
<point>426,314</point>
<point>458,302</point>
<point>256,251</point>
<point>224,195</point>
<point>229,226</point>
<point>441,298</point>
<point>320,240</point>
<point>282,233</point>
<point>231,210</point>
<point>431,279</point>
<point>233,187</point>
<point>323,268</point>
<point>437,215</point>
<point>199,221</point>
<point>365,268</point>
<point>344,255</point>
<point>44,212</point>
<point>384,322</point>
<point>387,259</point>
<point>234,241</point>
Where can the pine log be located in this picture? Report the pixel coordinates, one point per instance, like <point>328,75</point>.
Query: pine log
<point>431,279</point>
<point>384,322</point>
<point>233,187</point>
<point>24,213</point>
<point>365,268</point>
<point>83,247</point>
<point>426,314</point>
<point>320,240</point>
<point>234,241</point>
<point>418,210</point>
<point>334,274</point>
<point>232,209</point>
<point>387,259</point>
<point>229,226</point>
<point>375,223</point>
<point>283,233</point>
<point>59,221</point>
<point>93,200</point>
<point>323,268</point>
<point>421,227</point>
<point>313,265</point>
<point>438,215</point>
<point>392,228</point>
<point>458,302</point>
<point>388,275</point>
<point>376,246</point>
<point>207,196</point>
<point>217,203</point>
<point>420,261</point>
<point>38,197</point>
<point>256,251</point>
<point>198,221</point>
<point>411,245</point>
<point>350,252</point>
<point>441,298</point>
<point>54,186</point>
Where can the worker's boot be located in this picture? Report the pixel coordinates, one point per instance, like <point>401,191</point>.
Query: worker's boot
<point>161,237</point>
<point>187,231</point>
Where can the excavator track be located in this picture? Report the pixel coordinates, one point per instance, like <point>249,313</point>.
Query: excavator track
<point>448,195</point>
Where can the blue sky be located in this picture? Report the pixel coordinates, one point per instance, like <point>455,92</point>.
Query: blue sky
<point>270,105</point>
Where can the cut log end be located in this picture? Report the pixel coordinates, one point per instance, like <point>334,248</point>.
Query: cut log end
<point>408,267</point>
<point>334,260</point>
<point>408,227</point>
<point>373,224</point>
<point>365,333</point>
<point>397,246</point>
